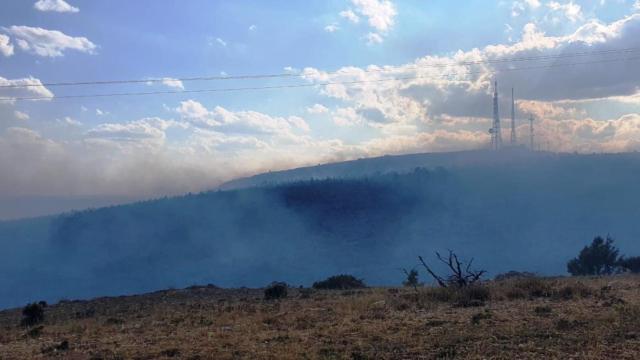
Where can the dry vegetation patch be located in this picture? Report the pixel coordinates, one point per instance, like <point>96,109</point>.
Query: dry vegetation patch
<point>525,318</point>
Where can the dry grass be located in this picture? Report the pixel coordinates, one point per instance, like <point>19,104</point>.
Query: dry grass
<point>596,318</point>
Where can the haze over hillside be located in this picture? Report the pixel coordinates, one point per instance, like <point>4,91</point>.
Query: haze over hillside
<point>509,210</point>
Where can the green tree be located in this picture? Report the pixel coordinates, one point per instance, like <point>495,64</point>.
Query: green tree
<point>412,278</point>
<point>599,258</point>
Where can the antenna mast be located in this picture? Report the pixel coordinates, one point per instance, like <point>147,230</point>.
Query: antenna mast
<point>496,132</point>
<point>513,119</point>
<point>531,135</point>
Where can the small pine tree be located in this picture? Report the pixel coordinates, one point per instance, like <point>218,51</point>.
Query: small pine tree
<point>599,258</point>
<point>412,278</point>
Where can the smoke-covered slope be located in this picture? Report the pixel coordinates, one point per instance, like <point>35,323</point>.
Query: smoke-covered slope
<point>525,212</point>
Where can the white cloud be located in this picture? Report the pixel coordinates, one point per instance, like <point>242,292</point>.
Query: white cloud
<point>347,117</point>
<point>252,28</point>
<point>380,13</point>
<point>570,10</point>
<point>240,122</point>
<point>55,5</point>
<point>24,87</point>
<point>444,89</point>
<point>534,4</point>
<point>331,28</point>
<point>173,83</point>
<point>6,48</point>
<point>146,131</point>
<point>192,109</point>
<point>221,42</point>
<point>350,15</point>
<point>373,38</point>
<point>101,113</point>
<point>520,6</point>
<point>317,109</point>
<point>48,43</point>
<point>69,121</point>
<point>21,115</point>
<point>637,5</point>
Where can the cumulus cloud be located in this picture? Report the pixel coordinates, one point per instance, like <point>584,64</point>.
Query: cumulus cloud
<point>380,14</point>
<point>48,43</point>
<point>23,87</point>
<point>444,86</point>
<point>518,7</point>
<point>350,15</point>
<point>21,115</point>
<point>373,38</point>
<point>569,10</point>
<point>6,48</point>
<point>147,131</point>
<point>240,122</point>
<point>69,121</point>
<point>55,5</point>
<point>331,28</point>
<point>317,109</point>
<point>173,83</point>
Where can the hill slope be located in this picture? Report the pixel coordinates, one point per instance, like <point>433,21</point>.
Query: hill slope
<point>526,212</point>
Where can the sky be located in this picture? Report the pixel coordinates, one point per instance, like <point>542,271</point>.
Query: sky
<point>356,78</point>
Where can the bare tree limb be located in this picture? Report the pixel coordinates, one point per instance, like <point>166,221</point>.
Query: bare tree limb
<point>440,280</point>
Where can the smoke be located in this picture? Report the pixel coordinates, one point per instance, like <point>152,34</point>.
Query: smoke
<point>510,211</point>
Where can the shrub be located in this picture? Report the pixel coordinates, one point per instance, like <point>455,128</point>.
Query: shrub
<point>533,287</point>
<point>572,291</point>
<point>277,290</point>
<point>514,275</point>
<point>32,314</point>
<point>599,258</point>
<point>469,296</point>
<point>631,264</point>
<point>340,282</point>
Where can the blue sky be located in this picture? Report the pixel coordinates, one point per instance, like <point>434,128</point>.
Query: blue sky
<point>145,146</point>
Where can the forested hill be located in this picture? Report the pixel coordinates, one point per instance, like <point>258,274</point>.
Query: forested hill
<point>393,163</point>
<point>531,213</point>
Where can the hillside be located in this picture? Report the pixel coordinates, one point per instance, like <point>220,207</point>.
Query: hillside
<point>390,163</point>
<point>521,212</point>
<point>583,318</point>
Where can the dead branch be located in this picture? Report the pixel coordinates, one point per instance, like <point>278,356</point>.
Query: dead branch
<point>458,277</point>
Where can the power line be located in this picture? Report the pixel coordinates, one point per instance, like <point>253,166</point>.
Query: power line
<point>289,86</point>
<point>338,72</point>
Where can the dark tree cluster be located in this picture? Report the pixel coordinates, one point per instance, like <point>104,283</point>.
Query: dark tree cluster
<point>340,282</point>
<point>602,257</point>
